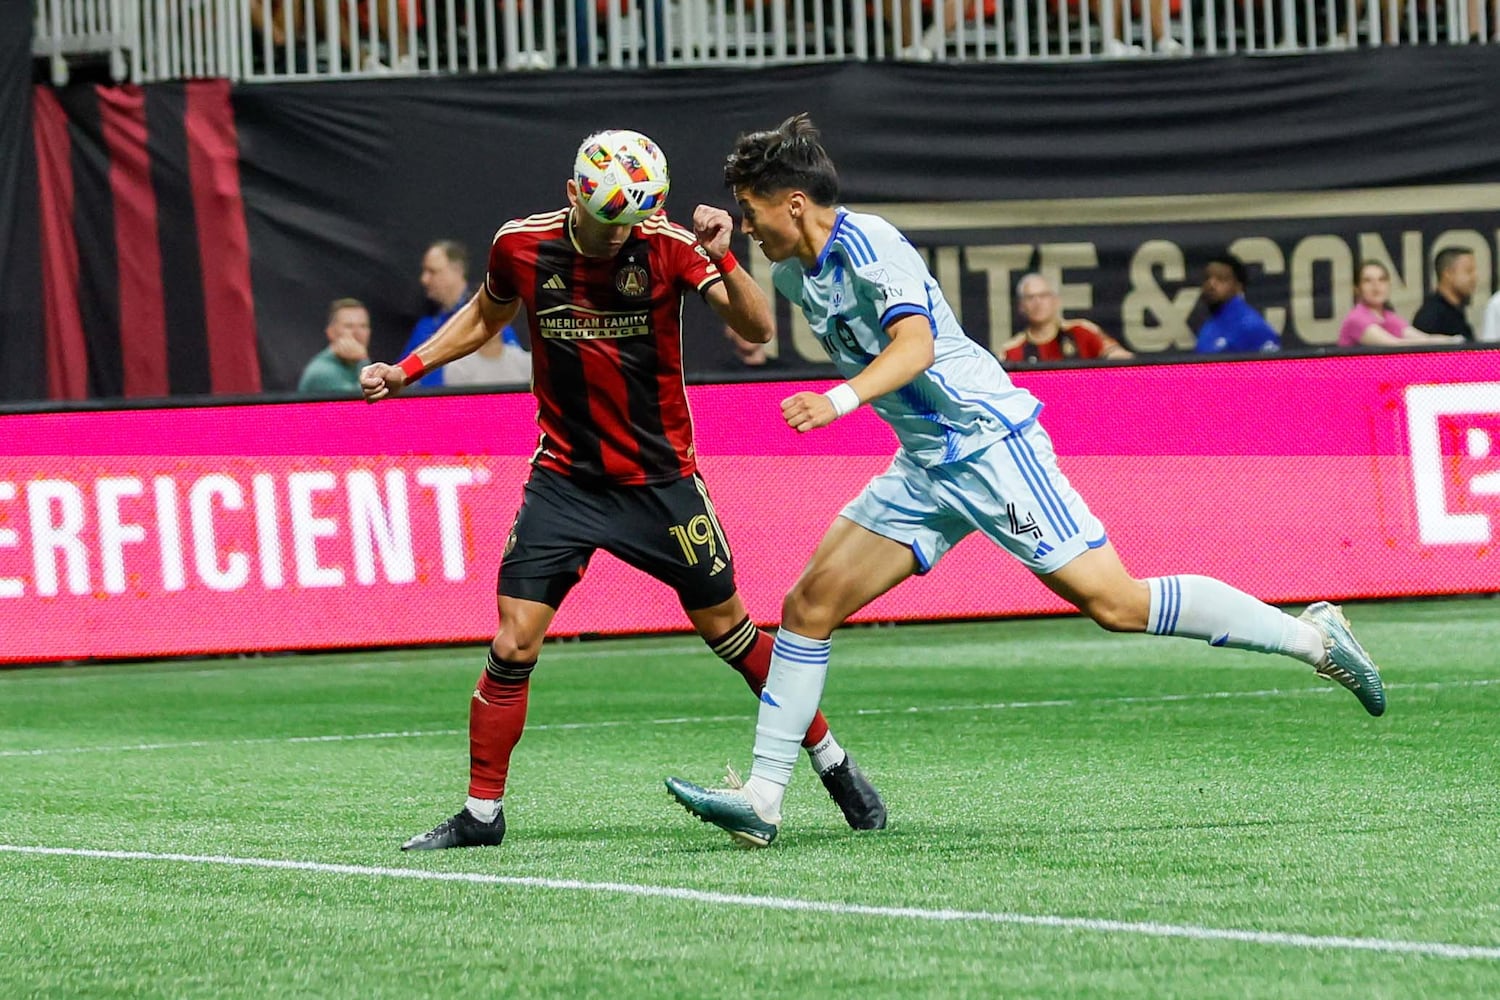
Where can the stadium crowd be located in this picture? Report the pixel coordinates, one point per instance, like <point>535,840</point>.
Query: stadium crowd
<point>1230,324</point>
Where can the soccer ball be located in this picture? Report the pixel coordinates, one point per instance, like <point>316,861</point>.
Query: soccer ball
<point>621,176</point>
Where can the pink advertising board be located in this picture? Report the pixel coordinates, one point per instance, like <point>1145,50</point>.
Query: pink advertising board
<point>314,525</point>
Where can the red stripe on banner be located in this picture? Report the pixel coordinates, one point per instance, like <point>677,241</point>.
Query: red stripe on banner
<point>143,317</point>
<point>223,239</point>
<point>67,354</point>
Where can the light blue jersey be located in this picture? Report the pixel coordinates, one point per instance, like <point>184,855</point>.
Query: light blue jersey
<point>866,278</point>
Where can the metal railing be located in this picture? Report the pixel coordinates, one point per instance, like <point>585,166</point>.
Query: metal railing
<point>146,40</point>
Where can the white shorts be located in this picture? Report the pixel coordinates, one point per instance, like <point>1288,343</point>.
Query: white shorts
<point>1012,491</point>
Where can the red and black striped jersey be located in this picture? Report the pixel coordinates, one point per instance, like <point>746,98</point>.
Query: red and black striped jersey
<point>606,345</point>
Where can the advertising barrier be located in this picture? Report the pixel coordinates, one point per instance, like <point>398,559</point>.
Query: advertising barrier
<point>315,525</point>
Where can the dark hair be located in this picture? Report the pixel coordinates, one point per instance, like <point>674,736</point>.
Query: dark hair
<point>788,158</point>
<point>1360,271</point>
<point>339,305</point>
<point>455,251</point>
<point>1236,265</point>
<point>1446,259</point>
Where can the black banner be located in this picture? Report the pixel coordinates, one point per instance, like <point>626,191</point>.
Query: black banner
<point>1119,178</point>
<point>23,372</point>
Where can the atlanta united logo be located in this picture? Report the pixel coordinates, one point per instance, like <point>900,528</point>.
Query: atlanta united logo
<point>631,281</point>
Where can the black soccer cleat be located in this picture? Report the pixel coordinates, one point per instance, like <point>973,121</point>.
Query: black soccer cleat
<point>860,802</point>
<point>461,830</point>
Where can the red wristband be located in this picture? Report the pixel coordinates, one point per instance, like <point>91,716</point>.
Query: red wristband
<point>727,264</point>
<point>412,365</point>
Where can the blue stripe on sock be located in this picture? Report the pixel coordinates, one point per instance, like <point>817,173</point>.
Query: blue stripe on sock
<point>812,655</point>
<point>799,658</point>
<point>810,646</point>
<point>1176,604</point>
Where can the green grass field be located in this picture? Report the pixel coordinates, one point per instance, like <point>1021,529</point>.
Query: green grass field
<point>1073,814</point>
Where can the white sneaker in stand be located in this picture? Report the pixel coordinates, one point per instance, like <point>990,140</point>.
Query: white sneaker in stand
<point>1116,49</point>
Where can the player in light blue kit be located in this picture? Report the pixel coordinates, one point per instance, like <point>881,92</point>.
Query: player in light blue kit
<point>973,457</point>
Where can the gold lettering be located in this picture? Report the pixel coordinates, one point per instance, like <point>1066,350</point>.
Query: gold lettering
<point>945,269</point>
<point>1146,295</point>
<point>1406,280</point>
<point>999,263</point>
<point>1332,250</point>
<point>1264,251</point>
<point>1059,257</point>
<point>588,327</point>
<point>1483,266</point>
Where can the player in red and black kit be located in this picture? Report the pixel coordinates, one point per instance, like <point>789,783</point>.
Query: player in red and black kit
<point>615,468</point>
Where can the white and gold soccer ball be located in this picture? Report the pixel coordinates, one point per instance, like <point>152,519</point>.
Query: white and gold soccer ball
<point>621,176</point>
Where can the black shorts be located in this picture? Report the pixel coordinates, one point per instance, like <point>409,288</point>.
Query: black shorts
<point>670,532</point>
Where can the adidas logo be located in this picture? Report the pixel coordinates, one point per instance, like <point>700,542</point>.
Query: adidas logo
<point>555,284</point>
<point>1041,550</point>
<point>719,565</point>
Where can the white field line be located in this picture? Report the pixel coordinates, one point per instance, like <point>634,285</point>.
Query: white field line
<point>555,650</point>
<point>1193,932</point>
<point>407,734</point>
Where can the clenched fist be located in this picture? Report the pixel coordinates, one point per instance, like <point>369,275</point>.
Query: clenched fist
<point>808,411</point>
<point>381,380</point>
<point>712,227</point>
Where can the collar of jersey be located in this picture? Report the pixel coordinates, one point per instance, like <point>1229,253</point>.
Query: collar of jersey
<point>571,238</point>
<point>838,222</point>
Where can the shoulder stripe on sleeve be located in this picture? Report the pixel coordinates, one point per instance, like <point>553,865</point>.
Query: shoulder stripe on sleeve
<point>519,227</point>
<point>653,228</point>
<point>852,251</point>
<point>857,236</point>
<point>660,221</point>
<point>534,223</point>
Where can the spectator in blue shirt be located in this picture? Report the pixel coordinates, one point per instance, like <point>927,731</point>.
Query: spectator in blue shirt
<point>445,281</point>
<point>1233,326</point>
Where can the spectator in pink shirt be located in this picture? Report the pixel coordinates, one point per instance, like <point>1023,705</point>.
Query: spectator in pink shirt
<point>1372,323</point>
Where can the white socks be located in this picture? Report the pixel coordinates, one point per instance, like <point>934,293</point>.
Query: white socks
<point>794,686</point>
<point>1200,607</point>
<point>826,753</point>
<point>484,810</point>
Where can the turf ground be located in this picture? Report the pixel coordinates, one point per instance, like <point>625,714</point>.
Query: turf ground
<point>1073,814</point>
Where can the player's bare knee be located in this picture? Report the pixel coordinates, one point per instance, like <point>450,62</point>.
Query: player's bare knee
<point>810,611</point>
<point>514,646</point>
<point>1115,615</point>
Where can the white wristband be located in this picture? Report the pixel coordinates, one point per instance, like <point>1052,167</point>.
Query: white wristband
<point>844,398</point>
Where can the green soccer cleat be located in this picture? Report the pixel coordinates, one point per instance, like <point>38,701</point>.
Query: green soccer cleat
<point>726,808</point>
<point>1346,660</point>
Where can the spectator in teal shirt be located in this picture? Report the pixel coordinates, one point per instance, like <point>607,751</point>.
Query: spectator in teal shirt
<point>336,368</point>
<point>1233,326</point>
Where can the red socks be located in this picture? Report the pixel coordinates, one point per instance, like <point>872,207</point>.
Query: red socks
<point>497,715</point>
